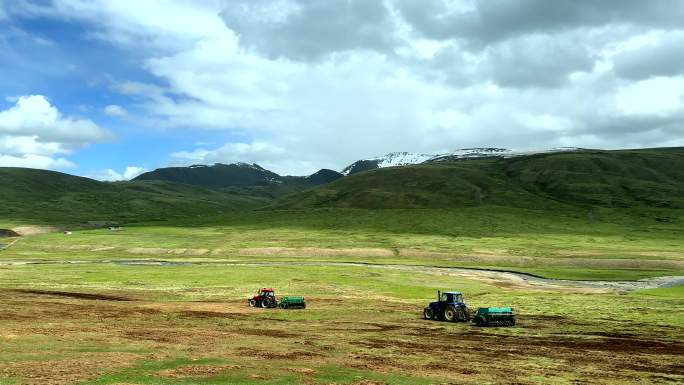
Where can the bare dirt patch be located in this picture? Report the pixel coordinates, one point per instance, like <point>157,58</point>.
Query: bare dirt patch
<point>307,371</point>
<point>35,230</point>
<point>59,372</point>
<point>267,333</point>
<point>197,371</point>
<point>87,296</point>
<point>267,354</point>
<point>202,309</point>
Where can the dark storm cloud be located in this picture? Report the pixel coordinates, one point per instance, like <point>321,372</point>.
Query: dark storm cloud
<point>310,29</point>
<point>665,58</point>
<point>496,20</point>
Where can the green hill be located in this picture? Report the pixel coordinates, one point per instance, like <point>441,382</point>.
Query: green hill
<point>648,178</point>
<point>39,196</point>
<point>241,177</point>
<point>626,178</point>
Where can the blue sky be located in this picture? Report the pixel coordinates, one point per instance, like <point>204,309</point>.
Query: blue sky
<point>108,89</point>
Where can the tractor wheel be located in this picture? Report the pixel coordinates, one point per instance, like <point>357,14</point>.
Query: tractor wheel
<point>252,303</point>
<point>266,303</point>
<point>450,314</point>
<point>460,315</point>
<point>427,313</point>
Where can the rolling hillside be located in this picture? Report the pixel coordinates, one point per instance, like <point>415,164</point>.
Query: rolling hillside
<point>627,178</point>
<point>240,175</point>
<point>38,196</point>
<point>651,178</point>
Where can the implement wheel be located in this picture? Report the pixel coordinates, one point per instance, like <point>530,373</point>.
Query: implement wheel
<point>450,314</point>
<point>283,305</point>
<point>427,313</point>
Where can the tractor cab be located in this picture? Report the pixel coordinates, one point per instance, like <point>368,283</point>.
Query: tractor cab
<point>265,293</point>
<point>453,297</point>
<point>449,306</point>
<point>264,298</point>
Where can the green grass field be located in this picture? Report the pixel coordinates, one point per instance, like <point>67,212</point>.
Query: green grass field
<point>611,246</point>
<point>98,322</point>
<point>163,300</point>
<point>191,325</point>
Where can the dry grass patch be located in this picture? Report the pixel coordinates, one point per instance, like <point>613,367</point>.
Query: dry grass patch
<point>201,370</point>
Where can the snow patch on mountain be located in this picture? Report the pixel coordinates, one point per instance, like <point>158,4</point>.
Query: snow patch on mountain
<point>408,158</point>
<point>401,159</point>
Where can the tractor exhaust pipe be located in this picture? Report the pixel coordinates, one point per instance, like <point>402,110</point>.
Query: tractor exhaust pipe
<point>439,295</point>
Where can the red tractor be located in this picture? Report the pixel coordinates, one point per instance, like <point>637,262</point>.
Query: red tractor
<point>264,298</point>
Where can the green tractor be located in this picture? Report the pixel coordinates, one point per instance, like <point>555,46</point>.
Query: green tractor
<point>494,316</point>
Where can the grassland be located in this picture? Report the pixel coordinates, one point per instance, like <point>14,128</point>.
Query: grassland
<point>610,246</point>
<point>94,307</point>
<point>101,322</point>
<point>109,324</point>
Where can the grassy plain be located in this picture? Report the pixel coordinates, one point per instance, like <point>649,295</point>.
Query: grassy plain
<point>98,322</point>
<point>560,244</point>
<point>109,324</point>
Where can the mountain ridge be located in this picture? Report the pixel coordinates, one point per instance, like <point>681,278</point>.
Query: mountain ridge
<point>394,159</point>
<point>618,178</point>
<point>235,175</point>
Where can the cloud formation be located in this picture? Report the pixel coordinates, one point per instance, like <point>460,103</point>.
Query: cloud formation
<point>115,110</point>
<point>33,133</point>
<point>110,175</point>
<point>305,83</point>
<point>310,29</point>
<point>662,57</point>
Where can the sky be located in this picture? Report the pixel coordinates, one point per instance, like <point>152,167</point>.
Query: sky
<point>110,89</point>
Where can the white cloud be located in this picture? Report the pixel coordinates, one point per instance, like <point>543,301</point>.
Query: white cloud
<point>637,98</point>
<point>33,132</point>
<point>34,115</point>
<point>111,175</point>
<point>265,154</point>
<point>115,110</point>
<point>303,95</point>
<point>35,161</point>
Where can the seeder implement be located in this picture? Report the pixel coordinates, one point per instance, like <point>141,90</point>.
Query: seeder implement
<point>494,316</point>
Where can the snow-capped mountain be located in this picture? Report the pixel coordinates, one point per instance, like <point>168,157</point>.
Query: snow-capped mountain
<point>407,158</point>
<point>388,160</point>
